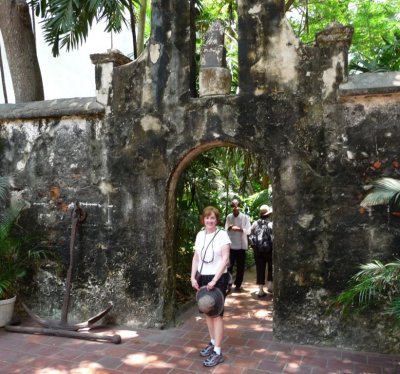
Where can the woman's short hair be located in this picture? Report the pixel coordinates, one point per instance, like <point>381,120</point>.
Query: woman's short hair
<point>207,211</point>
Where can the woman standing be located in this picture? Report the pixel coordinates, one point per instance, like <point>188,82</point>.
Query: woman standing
<point>210,259</point>
<point>261,239</point>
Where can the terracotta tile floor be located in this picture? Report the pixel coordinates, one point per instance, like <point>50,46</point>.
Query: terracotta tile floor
<point>248,348</point>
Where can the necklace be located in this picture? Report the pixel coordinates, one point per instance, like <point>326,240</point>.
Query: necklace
<point>205,249</point>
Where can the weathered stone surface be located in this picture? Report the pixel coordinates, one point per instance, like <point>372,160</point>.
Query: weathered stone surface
<point>85,106</point>
<point>371,83</point>
<point>213,52</point>
<point>335,35</point>
<point>214,81</point>
<point>123,161</point>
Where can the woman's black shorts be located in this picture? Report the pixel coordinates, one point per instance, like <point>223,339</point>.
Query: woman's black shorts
<point>222,284</point>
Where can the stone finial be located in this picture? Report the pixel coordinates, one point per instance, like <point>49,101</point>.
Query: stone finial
<point>335,34</point>
<point>215,34</point>
<point>215,78</point>
<point>213,53</point>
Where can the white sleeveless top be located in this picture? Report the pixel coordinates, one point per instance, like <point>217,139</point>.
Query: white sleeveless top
<point>213,255</point>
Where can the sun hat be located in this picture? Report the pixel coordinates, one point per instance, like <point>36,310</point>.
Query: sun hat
<point>265,210</point>
<point>210,302</point>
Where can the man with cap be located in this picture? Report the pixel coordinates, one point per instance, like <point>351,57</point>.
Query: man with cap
<point>261,241</point>
<point>238,227</point>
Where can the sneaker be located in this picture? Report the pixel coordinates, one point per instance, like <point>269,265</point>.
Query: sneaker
<point>205,352</point>
<point>213,359</point>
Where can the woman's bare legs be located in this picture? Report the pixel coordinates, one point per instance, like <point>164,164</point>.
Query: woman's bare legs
<point>216,329</point>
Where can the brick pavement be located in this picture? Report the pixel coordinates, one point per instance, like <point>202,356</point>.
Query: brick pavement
<point>248,348</point>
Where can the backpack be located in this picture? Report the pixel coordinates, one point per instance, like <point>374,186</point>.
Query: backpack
<point>261,236</point>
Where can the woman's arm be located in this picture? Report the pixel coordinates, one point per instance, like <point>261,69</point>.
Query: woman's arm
<point>222,267</point>
<point>195,262</point>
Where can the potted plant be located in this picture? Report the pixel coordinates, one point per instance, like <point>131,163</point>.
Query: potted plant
<point>18,253</point>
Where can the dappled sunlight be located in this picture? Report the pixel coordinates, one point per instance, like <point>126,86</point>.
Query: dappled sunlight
<point>140,359</point>
<point>248,342</point>
<point>396,80</point>
<point>89,368</point>
<point>292,367</point>
<point>263,314</point>
<point>85,367</point>
<point>50,371</point>
<point>124,333</point>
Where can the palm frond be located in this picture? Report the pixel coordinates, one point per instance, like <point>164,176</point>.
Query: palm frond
<point>4,187</point>
<point>394,308</point>
<point>375,284</point>
<point>384,191</point>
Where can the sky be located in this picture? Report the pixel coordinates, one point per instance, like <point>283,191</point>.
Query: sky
<point>72,73</point>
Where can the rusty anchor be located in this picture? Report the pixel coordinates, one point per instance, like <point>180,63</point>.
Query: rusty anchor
<point>62,327</point>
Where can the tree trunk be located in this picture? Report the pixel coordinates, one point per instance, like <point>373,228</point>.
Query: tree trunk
<point>141,26</point>
<point>20,47</point>
<point>3,79</point>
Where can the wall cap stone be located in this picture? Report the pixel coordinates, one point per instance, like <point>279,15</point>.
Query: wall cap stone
<point>371,83</point>
<point>52,108</point>
<point>112,55</point>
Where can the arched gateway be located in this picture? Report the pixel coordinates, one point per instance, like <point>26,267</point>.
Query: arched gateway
<point>121,155</point>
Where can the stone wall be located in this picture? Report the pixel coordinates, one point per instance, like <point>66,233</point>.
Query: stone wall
<point>121,155</point>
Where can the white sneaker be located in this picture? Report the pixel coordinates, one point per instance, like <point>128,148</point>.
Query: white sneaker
<point>270,287</point>
<point>261,294</point>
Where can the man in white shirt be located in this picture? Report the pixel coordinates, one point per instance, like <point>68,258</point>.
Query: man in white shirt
<point>238,227</point>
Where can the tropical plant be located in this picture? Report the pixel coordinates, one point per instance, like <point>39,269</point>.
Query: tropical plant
<point>66,23</point>
<point>375,285</point>
<point>19,253</point>
<point>387,56</point>
<point>373,21</point>
<point>384,191</point>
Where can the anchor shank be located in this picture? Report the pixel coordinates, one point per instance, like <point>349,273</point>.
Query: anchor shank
<point>116,339</point>
<point>67,294</point>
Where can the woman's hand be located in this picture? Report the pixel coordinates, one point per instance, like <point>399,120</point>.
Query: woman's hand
<point>211,285</point>
<point>195,285</point>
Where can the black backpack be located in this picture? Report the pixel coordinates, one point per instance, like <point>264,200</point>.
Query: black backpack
<point>260,236</point>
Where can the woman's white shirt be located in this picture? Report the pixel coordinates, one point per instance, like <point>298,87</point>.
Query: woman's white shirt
<point>213,255</point>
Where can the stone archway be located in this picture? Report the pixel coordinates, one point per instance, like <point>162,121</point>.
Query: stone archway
<point>184,163</point>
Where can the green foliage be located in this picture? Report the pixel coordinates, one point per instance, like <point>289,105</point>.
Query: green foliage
<point>375,285</point>
<point>386,56</point>
<point>375,45</point>
<point>384,191</point>
<point>257,199</point>
<point>19,253</point>
<point>4,186</point>
<point>67,22</point>
<point>375,41</point>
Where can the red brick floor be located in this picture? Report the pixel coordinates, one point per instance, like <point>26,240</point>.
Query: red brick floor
<point>248,348</point>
